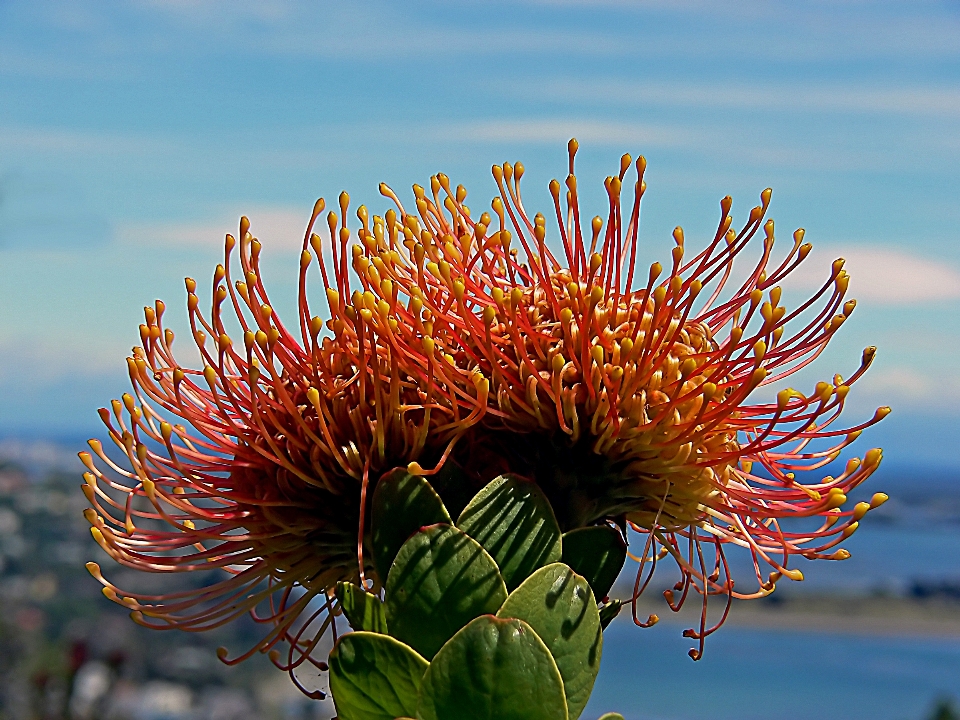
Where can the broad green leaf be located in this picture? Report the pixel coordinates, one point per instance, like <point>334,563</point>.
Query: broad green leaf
<point>598,553</point>
<point>611,716</point>
<point>374,677</point>
<point>402,504</point>
<point>513,520</point>
<point>493,669</point>
<point>559,605</point>
<point>364,611</point>
<point>441,580</point>
<point>609,611</point>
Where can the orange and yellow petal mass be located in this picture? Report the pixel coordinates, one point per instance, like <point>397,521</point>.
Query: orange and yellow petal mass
<point>470,345</point>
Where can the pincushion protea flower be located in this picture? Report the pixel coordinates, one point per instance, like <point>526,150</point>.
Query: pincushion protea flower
<point>469,346</point>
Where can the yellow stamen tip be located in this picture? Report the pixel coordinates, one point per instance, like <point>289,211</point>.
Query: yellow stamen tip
<point>878,499</point>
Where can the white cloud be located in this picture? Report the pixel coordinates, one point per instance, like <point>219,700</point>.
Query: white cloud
<point>781,97</point>
<point>553,132</point>
<point>278,228</point>
<point>41,362</point>
<point>364,31</point>
<point>62,140</point>
<point>909,388</point>
<point>882,275</point>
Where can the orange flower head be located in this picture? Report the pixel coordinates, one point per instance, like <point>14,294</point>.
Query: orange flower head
<point>461,347</point>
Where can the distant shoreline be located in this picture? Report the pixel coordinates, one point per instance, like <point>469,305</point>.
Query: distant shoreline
<point>871,615</point>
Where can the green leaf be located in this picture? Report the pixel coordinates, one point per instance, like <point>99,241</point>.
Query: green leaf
<point>611,716</point>
<point>441,580</point>
<point>559,605</point>
<point>493,669</point>
<point>402,504</point>
<point>609,611</point>
<point>598,553</point>
<point>513,520</point>
<point>374,677</point>
<point>364,611</point>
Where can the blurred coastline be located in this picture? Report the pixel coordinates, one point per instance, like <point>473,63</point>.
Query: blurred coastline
<point>67,652</point>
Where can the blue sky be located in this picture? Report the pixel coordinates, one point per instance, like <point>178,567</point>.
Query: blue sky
<point>132,135</point>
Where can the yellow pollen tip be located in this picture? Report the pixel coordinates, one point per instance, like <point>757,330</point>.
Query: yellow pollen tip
<point>597,353</point>
<point>708,390</point>
<point>794,574</point>
<point>836,498</point>
<point>414,468</point>
<point>210,375</point>
<point>873,457</point>
<point>860,509</point>
<point>850,529</point>
<point>878,499</point>
<point>783,399</point>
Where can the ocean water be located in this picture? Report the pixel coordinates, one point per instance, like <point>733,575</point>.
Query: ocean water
<point>750,674</point>
<point>769,674</point>
<point>887,558</point>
